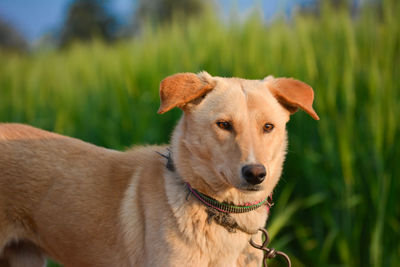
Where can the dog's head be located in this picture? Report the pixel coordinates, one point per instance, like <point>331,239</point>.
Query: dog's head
<point>233,132</point>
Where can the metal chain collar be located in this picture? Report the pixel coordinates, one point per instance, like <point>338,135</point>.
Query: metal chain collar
<point>269,253</point>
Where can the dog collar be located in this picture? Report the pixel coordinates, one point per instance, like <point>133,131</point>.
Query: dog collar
<point>228,208</point>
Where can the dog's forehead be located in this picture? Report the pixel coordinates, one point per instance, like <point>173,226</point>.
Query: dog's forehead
<point>237,92</point>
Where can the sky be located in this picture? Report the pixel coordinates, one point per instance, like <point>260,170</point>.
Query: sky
<point>34,18</point>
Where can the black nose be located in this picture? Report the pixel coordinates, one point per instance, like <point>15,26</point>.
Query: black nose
<point>254,173</point>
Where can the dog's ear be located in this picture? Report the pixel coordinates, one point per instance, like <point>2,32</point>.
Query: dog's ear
<point>293,94</point>
<point>180,89</point>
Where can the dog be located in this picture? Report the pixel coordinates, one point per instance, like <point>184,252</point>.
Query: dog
<point>195,202</point>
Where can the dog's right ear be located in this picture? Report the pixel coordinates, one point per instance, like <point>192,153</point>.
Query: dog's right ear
<point>179,89</point>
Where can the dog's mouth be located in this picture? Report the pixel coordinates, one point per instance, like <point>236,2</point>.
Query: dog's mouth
<point>247,188</point>
<point>244,187</point>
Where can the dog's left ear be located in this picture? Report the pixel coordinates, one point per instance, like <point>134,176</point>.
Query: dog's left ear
<point>293,94</point>
<point>180,89</point>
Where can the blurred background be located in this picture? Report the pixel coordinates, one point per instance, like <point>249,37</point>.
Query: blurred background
<point>91,69</point>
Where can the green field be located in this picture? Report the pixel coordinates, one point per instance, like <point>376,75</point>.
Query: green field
<point>336,202</point>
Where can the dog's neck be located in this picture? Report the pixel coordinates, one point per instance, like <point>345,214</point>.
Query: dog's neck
<point>219,212</point>
<point>170,162</point>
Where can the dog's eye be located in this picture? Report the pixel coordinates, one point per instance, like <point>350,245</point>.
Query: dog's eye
<point>224,125</point>
<point>268,127</point>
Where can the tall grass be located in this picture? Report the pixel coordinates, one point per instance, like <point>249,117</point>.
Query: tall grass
<point>338,201</point>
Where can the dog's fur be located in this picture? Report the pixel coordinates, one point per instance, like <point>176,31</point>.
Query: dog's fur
<point>84,205</point>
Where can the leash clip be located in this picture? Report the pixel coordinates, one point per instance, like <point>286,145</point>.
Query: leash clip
<point>270,253</point>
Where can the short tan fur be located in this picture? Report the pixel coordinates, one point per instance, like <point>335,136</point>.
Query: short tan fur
<point>84,205</point>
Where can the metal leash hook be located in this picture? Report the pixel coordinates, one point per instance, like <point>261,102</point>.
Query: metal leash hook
<point>270,253</point>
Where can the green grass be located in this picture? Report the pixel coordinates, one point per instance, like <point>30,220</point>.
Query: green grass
<point>338,201</point>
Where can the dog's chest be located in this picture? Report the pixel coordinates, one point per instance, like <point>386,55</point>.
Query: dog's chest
<point>198,238</point>
<point>212,242</point>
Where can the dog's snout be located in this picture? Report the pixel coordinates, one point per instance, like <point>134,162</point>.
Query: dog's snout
<point>254,173</point>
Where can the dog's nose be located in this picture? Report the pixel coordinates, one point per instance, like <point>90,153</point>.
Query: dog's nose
<point>254,173</point>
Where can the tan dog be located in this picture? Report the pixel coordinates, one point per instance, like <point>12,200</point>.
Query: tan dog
<point>88,206</point>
